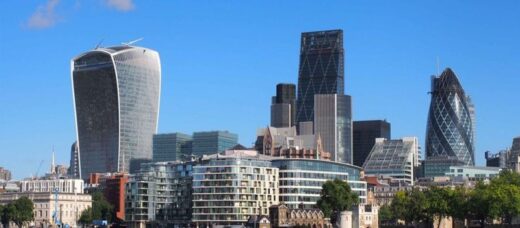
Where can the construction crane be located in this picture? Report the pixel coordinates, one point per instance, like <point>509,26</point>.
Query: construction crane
<point>38,170</point>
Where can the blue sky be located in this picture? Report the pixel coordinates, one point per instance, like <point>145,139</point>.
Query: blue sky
<point>221,61</point>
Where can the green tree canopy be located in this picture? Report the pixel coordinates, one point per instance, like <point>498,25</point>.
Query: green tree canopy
<point>336,196</point>
<point>19,211</point>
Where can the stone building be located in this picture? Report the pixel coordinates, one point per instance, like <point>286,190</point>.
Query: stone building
<point>283,216</point>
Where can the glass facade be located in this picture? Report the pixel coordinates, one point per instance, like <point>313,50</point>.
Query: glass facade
<point>213,142</point>
<point>321,69</point>
<point>116,97</point>
<point>301,180</point>
<point>393,158</point>
<point>333,124</point>
<point>451,119</point>
<point>171,147</point>
<point>283,108</point>
<point>364,137</point>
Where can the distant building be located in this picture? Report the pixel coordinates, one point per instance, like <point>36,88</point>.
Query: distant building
<point>394,158</point>
<point>514,157</point>
<point>283,216</point>
<point>364,137</point>
<point>321,70</point>
<point>283,107</point>
<point>5,174</point>
<point>474,173</point>
<point>365,216</point>
<point>172,147</point>
<point>74,166</point>
<point>301,180</point>
<point>160,192</point>
<point>211,142</point>
<point>451,126</point>
<point>284,142</point>
<point>74,186</point>
<point>69,206</point>
<point>116,102</point>
<point>228,188</point>
<point>114,191</point>
<point>333,124</point>
<point>497,160</point>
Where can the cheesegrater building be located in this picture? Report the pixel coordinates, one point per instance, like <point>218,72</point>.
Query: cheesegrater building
<point>116,102</point>
<point>450,128</point>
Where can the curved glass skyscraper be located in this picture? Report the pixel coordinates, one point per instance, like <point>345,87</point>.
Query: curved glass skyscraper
<point>116,100</point>
<point>451,123</point>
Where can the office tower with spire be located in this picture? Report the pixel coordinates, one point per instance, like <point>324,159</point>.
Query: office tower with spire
<point>283,107</point>
<point>116,102</point>
<point>450,129</point>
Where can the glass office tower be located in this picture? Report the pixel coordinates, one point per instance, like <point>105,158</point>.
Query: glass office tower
<point>321,69</point>
<point>364,137</point>
<point>283,107</point>
<point>333,125</point>
<point>116,100</point>
<point>450,129</point>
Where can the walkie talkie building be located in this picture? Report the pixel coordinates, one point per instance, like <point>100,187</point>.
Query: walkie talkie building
<point>450,128</point>
<point>116,101</point>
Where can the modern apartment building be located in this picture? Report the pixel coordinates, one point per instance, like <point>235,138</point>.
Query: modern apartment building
<point>160,193</point>
<point>394,159</point>
<point>211,142</point>
<point>228,188</point>
<point>301,180</point>
<point>364,137</point>
<point>116,102</point>
<point>474,173</point>
<point>172,147</point>
<point>451,126</point>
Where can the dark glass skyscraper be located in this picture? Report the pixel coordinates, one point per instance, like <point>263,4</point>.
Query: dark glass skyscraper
<point>283,108</point>
<point>321,69</point>
<point>365,134</point>
<point>116,100</point>
<point>450,127</point>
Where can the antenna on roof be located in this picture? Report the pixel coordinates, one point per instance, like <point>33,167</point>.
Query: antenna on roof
<point>99,44</point>
<point>132,42</point>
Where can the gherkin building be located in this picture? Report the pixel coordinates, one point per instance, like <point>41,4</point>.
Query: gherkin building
<point>451,125</point>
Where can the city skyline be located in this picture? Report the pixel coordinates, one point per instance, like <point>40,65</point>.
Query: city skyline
<point>379,63</point>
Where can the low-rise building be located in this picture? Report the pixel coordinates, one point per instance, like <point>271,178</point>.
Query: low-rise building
<point>365,216</point>
<point>67,206</point>
<point>473,173</point>
<point>283,216</point>
<point>513,162</point>
<point>61,185</point>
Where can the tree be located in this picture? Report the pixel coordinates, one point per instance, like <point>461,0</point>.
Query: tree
<point>479,203</point>
<point>399,206</point>
<point>22,211</point>
<point>459,203</point>
<point>86,216</point>
<point>385,214</point>
<point>336,196</point>
<point>438,203</point>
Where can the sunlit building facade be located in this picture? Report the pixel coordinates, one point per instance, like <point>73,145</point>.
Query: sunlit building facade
<point>450,128</point>
<point>116,102</point>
